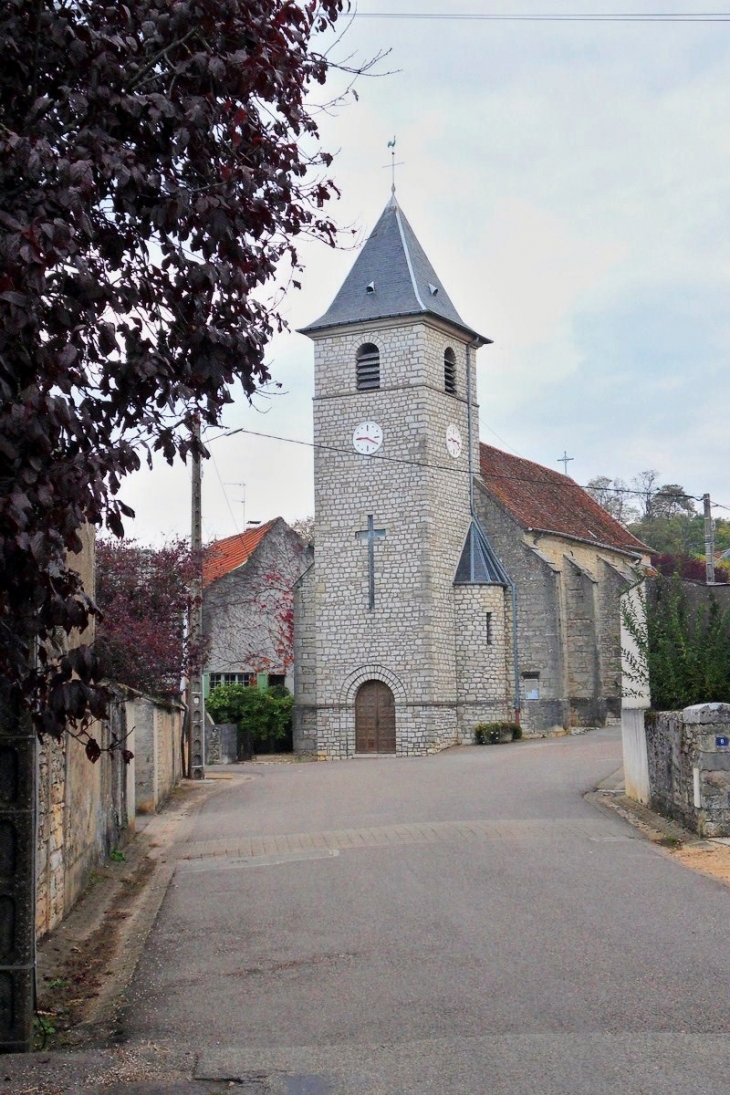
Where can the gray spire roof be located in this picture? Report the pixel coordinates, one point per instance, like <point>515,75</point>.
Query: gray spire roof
<point>391,277</point>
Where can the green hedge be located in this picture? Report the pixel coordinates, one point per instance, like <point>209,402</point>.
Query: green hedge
<point>265,715</point>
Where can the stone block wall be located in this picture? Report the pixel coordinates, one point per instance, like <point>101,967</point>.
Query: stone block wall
<point>419,494</point>
<point>612,584</point>
<point>158,729</point>
<point>221,743</point>
<point>50,896</point>
<point>483,657</point>
<point>587,705</point>
<point>688,756</point>
<point>305,666</point>
<point>86,810</point>
<point>568,620</point>
<point>242,610</point>
<point>539,617</point>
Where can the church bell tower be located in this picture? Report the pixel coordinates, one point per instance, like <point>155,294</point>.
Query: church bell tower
<point>403,577</point>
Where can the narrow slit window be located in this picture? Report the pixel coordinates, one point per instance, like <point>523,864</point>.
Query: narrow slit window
<point>368,367</point>
<point>489,629</point>
<point>449,372</point>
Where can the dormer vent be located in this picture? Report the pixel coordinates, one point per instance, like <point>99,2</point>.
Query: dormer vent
<point>433,289</point>
<point>370,287</point>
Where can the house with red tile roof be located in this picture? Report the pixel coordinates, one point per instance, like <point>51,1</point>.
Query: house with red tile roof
<point>570,561</point>
<point>248,582</point>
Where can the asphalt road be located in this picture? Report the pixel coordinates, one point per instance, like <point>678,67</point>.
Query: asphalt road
<point>464,923</point>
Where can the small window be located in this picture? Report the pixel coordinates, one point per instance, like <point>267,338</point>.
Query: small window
<point>531,685</point>
<point>246,679</point>
<point>490,640</point>
<point>368,367</point>
<point>450,372</point>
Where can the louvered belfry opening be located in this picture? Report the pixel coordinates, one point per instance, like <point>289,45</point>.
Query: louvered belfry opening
<point>368,367</point>
<point>449,372</point>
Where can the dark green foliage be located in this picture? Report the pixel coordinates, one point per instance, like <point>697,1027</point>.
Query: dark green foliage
<point>492,733</point>
<point>265,715</point>
<point>684,651</point>
<point>679,534</point>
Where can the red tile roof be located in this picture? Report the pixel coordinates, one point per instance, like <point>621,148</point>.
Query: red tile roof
<point>223,556</point>
<point>542,499</point>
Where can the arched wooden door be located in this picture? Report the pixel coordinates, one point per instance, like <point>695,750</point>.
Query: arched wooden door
<point>374,718</point>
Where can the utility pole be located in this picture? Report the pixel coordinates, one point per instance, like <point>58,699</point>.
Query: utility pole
<point>196,700</point>
<point>709,542</point>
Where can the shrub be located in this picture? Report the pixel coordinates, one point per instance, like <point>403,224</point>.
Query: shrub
<point>492,733</point>
<point>266,716</point>
<point>683,651</point>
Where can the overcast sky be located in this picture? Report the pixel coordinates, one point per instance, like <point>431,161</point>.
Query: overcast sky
<point>569,182</point>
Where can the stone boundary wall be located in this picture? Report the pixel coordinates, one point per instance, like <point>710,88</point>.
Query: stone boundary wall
<point>158,728</point>
<point>221,743</point>
<point>87,810</point>
<point>688,755</point>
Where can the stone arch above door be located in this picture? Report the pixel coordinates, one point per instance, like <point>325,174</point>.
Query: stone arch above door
<point>373,672</point>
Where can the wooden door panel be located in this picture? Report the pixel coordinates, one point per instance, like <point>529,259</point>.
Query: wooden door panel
<point>374,718</point>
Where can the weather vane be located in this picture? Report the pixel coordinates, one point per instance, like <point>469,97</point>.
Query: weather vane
<point>392,165</point>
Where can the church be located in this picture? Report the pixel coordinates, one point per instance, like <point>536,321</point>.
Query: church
<point>452,583</point>
<point>404,622</point>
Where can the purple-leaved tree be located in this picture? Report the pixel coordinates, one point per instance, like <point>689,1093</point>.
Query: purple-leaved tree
<point>158,161</point>
<point>143,594</point>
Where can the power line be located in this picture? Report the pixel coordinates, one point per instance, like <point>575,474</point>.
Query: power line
<point>547,481</point>
<point>554,17</point>
<point>225,495</point>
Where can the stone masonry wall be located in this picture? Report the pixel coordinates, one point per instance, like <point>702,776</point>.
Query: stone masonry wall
<point>587,706</point>
<point>539,616</point>
<point>241,610</point>
<point>612,584</point>
<point>305,666</point>
<point>568,619</point>
<point>158,729</point>
<point>483,657</point>
<point>86,810</point>
<point>420,496</point>
<point>689,766</point>
<point>50,893</point>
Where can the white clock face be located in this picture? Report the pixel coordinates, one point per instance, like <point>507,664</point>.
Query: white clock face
<point>453,441</point>
<point>367,438</point>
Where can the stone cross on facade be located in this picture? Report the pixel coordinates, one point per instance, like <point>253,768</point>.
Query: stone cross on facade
<point>370,535</point>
